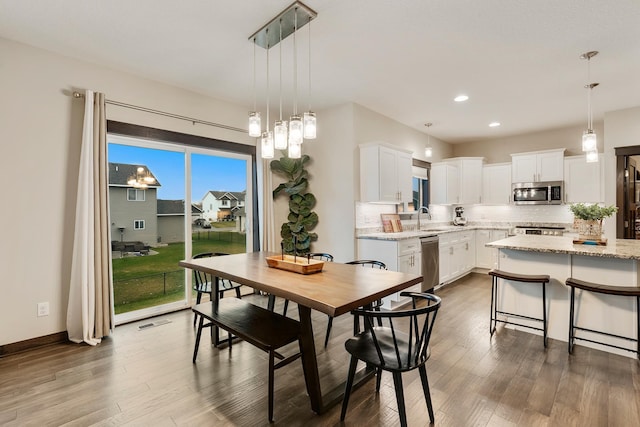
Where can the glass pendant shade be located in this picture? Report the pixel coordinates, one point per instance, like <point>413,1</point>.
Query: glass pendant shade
<point>592,156</point>
<point>267,145</point>
<point>280,135</point>
<point>255,127</point>
<point>589,141</point>
<point>428,152</point>
<point>309,119</point>
<point>295,130</point>
<point>295,150</point>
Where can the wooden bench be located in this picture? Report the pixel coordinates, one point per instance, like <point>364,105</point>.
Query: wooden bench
<point>260,327</point>
<point>541,279</point>
<point>625,291</point>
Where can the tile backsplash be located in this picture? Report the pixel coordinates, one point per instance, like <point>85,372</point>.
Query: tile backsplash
<point>368,214</point>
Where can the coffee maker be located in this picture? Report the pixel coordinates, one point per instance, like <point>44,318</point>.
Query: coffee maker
<point>459,219</point>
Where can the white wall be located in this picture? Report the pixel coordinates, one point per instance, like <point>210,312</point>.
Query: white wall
<point>40,134</point>
<point>500,149</point>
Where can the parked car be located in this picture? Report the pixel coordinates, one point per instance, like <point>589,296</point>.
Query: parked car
<point>202,223</point>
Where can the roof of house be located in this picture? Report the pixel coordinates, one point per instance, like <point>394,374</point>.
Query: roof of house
<point>120,173</point>
<point>174,207</point>
<point>237,195</point>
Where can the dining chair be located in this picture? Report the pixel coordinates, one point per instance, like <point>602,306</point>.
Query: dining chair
<point>401,345</point>
<point>376,305</point>
<point>202,282</point>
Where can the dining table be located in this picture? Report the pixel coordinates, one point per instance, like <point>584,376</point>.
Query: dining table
<point>337,289</point>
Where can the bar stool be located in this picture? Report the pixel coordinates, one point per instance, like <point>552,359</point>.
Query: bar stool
<point>624,291</point>
<point>542,279</point>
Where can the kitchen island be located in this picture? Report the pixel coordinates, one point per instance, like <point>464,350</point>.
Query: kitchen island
<point>617,263</point>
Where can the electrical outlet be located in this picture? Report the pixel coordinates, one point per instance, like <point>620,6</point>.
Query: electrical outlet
<point>43,309</point>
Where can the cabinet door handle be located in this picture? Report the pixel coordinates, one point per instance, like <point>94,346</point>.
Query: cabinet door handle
<point>451,250</point>
<point>467,246</point>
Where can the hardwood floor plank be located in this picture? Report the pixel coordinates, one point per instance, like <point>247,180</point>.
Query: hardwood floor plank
<point>145,377</point>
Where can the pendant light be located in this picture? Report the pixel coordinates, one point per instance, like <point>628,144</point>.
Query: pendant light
<point>428,150</point>
<point>280,127</point>
<point>274,32</point>
<point>254,116</point>
<point>267,136</point>
<point>309,117</point>
<point>295,121</point>
<point>589,139</point>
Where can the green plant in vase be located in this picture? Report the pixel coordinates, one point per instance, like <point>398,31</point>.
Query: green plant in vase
<point>296,232</point>
<point>588,219</point>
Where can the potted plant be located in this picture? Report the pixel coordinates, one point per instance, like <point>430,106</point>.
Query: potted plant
<point>295,233</point>
<point>588,219</point>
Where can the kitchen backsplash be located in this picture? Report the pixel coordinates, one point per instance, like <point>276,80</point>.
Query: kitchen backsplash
<point>368,215</point>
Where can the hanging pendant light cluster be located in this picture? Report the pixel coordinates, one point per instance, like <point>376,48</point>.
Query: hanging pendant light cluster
<point>285,135</point>
<point>589,138</point>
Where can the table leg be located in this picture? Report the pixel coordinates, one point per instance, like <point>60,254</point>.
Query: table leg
<point>309,361</point>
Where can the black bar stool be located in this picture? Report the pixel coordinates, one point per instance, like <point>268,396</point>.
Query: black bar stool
<point>542,279</point>
<point>625,291</point>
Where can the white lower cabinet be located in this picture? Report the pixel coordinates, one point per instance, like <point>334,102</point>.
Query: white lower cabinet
<point>457,254</point>
<point>488,257</point>
<point>398,255</point>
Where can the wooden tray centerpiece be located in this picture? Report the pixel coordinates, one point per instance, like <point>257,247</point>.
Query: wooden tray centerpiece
<point>296,264</point>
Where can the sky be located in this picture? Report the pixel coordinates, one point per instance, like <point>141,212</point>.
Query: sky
<point>210,173</point>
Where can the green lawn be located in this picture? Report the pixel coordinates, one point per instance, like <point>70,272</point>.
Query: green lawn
<point>144,281</point>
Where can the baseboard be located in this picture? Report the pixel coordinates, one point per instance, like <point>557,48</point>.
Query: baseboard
<point>29,344</point>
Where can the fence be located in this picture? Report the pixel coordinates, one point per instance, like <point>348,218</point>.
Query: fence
<point>222,236</point>
<point>149,290</point>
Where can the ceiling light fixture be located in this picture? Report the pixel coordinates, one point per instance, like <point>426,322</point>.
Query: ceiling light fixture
<point>428,150</point>
<point>461,98</point>
<point>274,32</point>
<point>589,138</point>
<point>494,124</point>
<point>267,137</point>
<point>255,127</point>
<point>141,179</point>
<point>309,117</point>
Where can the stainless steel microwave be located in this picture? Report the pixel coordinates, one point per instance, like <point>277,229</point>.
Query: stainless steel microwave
<point>537,193</point>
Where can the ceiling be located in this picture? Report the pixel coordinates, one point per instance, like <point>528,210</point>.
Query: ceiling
<point>517,60</point>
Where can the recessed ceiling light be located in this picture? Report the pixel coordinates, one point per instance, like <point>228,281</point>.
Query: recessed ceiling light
<point>494,124</point>
<point>461,98</point>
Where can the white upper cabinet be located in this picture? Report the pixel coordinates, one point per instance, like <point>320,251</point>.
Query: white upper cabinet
<point>457,181</point>
<point>538,166</point>
<point>445,186</point>
<point>385,174</point>
<point>583,182</point>
<point>496,184</point>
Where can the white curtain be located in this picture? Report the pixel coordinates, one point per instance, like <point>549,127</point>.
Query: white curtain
<point>90,310</point>
<point>267,229</point>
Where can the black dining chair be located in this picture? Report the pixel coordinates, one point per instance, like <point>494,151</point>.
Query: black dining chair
<point>376,305</point>
<point>313,255</point>
<point>202,282</point>
<point>401,345</point>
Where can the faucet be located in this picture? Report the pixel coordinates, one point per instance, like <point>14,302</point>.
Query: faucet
<point>420,210</point>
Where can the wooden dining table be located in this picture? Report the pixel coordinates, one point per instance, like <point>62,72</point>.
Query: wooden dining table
<point>337,289</point>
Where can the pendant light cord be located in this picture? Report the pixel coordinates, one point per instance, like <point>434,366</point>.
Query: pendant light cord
<point>295,64</point>
<point>309,24</point>
<point>280,69</point>
<point>267,82</point>
<point>255,96</point>
<point>588,86</point>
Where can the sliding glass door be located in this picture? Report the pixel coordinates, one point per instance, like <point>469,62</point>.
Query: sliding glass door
<point>166,203</point>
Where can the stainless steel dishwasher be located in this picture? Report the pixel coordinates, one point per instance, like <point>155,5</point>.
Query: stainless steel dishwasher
<point>430,262</point>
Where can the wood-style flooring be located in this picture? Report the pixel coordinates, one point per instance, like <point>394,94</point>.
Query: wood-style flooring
<point>144,377</point>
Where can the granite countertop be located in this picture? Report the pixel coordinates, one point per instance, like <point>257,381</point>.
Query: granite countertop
<point>412,234</point>
<point>618,248</point>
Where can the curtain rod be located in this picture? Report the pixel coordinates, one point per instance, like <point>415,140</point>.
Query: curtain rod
<point>163,113</point>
